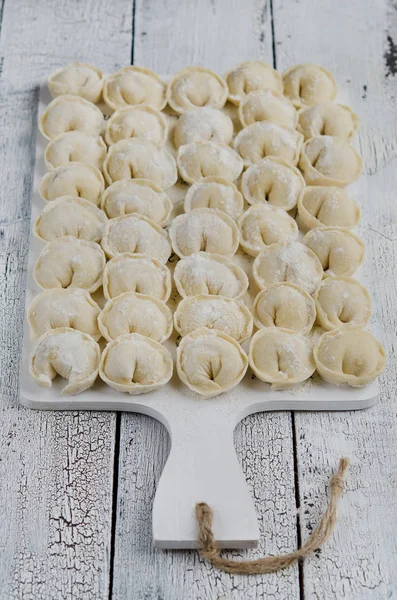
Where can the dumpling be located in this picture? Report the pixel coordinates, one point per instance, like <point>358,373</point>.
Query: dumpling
<point>273,181</point>
<point>250,76</point>
<point>74,179</point>
<point>327,160</point>
<point>131,86</point>
<point>141,196</point>
<point>265,138</point>
<point>77,79</point>
<point>354,357</point>
<point>285,305</point>
<point>70,216</point>
<point>67,262</point>
<point>136,273</point>
<point>69,353</point>
<point>135,364</point>
<point>214,312</point>
<point>137,234</point>
<point>281,357</point>
<point>136,313</point>
<point>71,308</point>
<point>262,225</point>
<point>204,273</point>
<point>210,362</point>
<point>140,159</point>
<point>328,119</point>
<point>329,206</point>
<point>75,146</point>
<point>339,250</point>
<point>71,113</point>
<point>292,262</point>
<point>204,229</point>
<point>267,105</point>
<point>203,125</point>
<point>215,192</point>
<point>342,303</point>
<point>308,84</point>
<point>202,159</point>
<point>195,87</point>
<point>142,122</point>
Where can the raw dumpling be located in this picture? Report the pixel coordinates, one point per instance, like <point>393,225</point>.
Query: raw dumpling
<point>327,160</point>
<point>202,159</point>
<point>131,86</point>
<point>266,138</point>
<point>204,229</point>
<point>142,122</point>
<point>141,196</point>
<point>70,216</point>
<point>71,308</point>
<point>339,250</point>
<point>140,159</point>
<point>292,263</point>
<point>196,87</point>
<point>204,273</point>
<point>210,362</point>
<point>285,305</point>
<point>262,225</point>
<point>267,105</point>
<point>342,303</point>
<point>75,146</point>
<point>215,192</point>
<point>135,364</point>
<point>281,357</point>
<point>137,234</point>
<point>328,119</point>
<point>308,84</point>
<point>74,179</point>
<point>69,353</point>
<point>71,113</point>
<point>354,357</point>
<point>214,312</point>
<point>272,181</point>
<point>136,273</point>
<point>136,313</point>
<point>330,206</point>
<point>67,262</point>
<point>250,76</point>
<point>77,79</point>
<point>203,125</point>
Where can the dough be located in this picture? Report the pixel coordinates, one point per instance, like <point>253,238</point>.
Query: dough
<point>327,160</point>
<point>75,146</point>
<point>74,179</point>
<point>196,87</point>
<point>141,122</point>
<point>285,305</point>
<point>71,113</point>
<point>77,79</point>
<point>202,159</point>
<point>131,86</point>
<point>203,125</point>
<point>328,119</point>
<point>215,192</point>
<point>262,225</point>
<point>265,138</point>
<point>141,196</point>
<point>250,76</point>
<point>326,205</point>
<point>267,105</point>
<point>342,303</point>
<point>339,250</point>
<point>308,84</point>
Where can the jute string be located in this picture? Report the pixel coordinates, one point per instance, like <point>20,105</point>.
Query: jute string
<point>270,564</point>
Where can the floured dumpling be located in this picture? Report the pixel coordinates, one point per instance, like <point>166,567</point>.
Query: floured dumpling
<point>75,146</point>
<point>195,87</point>
<point>250,76</point>
<point>215,192</point>
<point>137,234</point>
<point>291,263</point>
<point>67,262</point>
<point>354,357</point>
<point>342,303</point>
<point>203,125</point>
<point>204,229</point>
<point>135,364</point>
<point>262,225</point>
<point>328,119</point>
<point>214,312</point>
<point>136,313</point>
<point>77,79</point>
<point>265,138</point>
<point>141,196</point>
<point>339,250</point>
<point>74,179</point>
<point>71,113</point>
<point>327,160</point>
<point>272,181</point>
<point>69,353</point>
<point>136,273</point>
<point>131,86</point>
<point>308,84</point>
<point>55,308</point>
<point>285,305</point>
<point>267,105</point>
<point>204,273</point>
<point>210,362</point>
<point>143,122</point>
<point>326,205</point>
<point>202,159</point>
<point>281,357</point>
<point>140,159</point>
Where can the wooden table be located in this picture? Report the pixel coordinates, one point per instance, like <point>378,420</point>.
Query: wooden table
<point>76,490</point>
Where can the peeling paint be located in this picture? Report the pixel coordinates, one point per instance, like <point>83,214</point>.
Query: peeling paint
<point>390,57</point>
